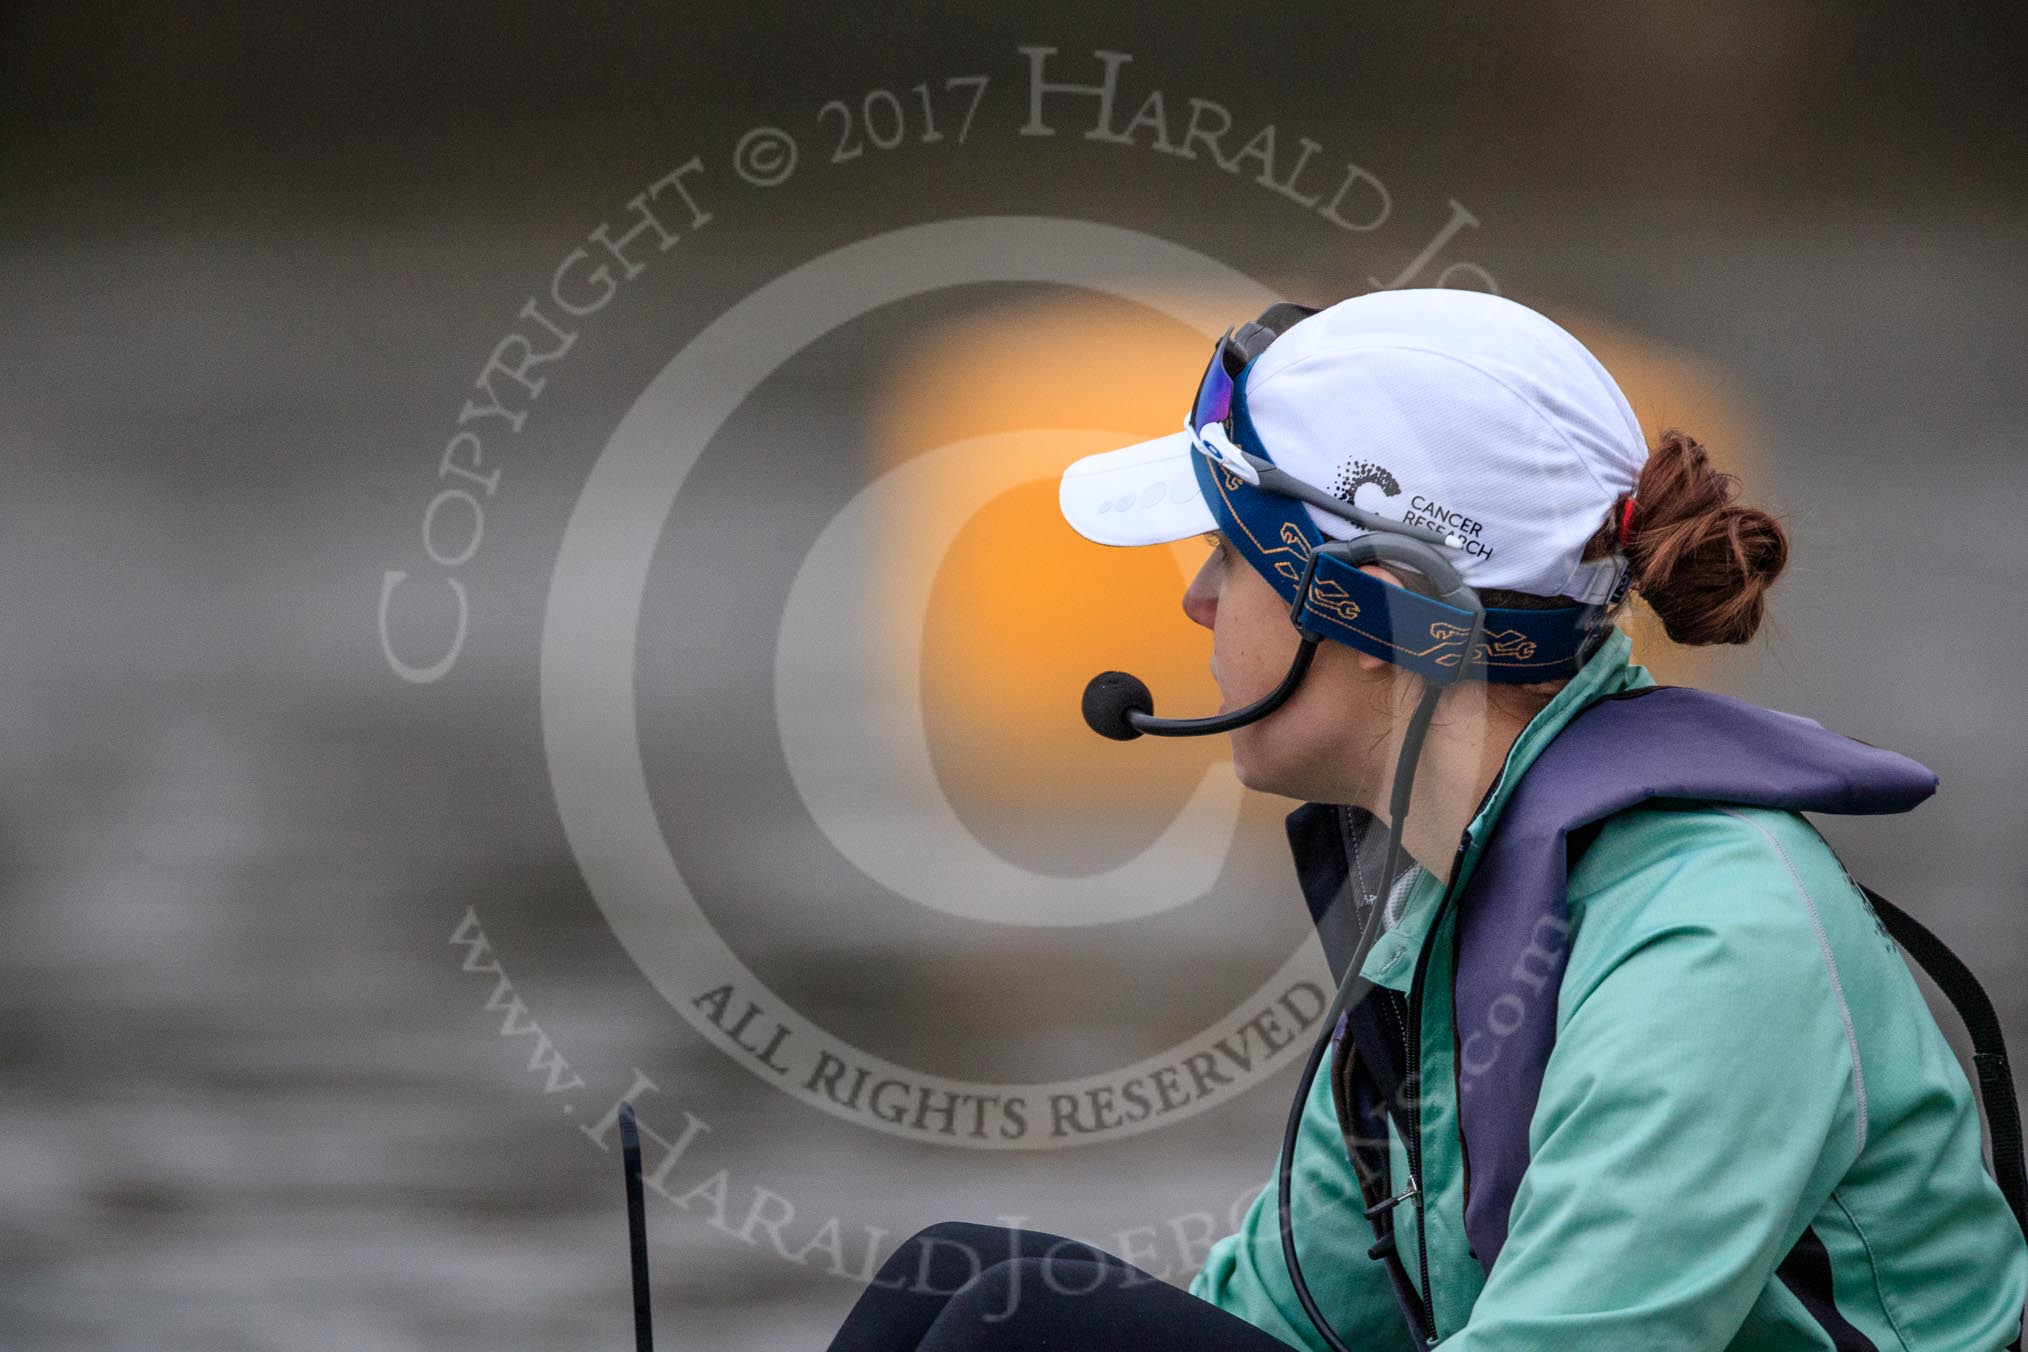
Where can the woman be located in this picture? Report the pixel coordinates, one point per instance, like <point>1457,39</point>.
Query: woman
<point>1690,1095</point>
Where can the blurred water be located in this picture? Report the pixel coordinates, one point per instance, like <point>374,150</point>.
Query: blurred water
<point>251,1100</point>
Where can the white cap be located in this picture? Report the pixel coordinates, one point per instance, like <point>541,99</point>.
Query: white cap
<point>1459,411</point>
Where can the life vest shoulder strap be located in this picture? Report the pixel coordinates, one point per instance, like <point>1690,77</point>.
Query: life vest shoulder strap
<point>1989,1045</point>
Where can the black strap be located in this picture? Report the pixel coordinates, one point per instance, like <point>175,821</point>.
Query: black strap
<point>1366,1082</point>
<point>1989,1047</point>
<point>637,1228</point>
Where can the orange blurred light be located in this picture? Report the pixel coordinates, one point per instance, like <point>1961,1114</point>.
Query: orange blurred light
<point>1024,611</point>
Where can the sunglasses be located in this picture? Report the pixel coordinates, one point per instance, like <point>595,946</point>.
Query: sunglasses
<point>1206,423</point>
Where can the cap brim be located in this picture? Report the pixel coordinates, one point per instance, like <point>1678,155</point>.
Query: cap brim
<point>1144,494</point>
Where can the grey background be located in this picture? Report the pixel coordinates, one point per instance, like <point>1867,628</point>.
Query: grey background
<point>250,262</point>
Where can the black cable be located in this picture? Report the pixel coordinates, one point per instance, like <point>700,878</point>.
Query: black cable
<point>1352,988</point>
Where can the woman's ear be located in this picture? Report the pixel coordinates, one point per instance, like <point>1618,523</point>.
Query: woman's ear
<point>1367,661</point>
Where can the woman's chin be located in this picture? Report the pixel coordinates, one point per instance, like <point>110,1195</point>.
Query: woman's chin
<point>1245,763</point>
<point>1252,777</point>
<point>1257,768</point>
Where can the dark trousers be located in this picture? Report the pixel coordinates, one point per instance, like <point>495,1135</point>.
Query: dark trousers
<point>959,1287</point>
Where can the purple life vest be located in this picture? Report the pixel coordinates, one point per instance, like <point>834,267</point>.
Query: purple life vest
<point>1637,746</point>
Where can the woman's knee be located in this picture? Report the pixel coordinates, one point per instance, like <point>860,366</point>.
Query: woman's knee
<point>940,1259</point>
<point>1055,1302</point>
<point>961,1234</point>
<point>986,1313</point>
<point>1035,1301</point>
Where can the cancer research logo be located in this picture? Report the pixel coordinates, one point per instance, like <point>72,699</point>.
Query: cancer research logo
<point>1356,474</point>
<point>1422,509</point>
<point>856,773</point>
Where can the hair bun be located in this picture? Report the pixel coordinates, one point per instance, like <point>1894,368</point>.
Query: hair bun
<point>1702,562</point>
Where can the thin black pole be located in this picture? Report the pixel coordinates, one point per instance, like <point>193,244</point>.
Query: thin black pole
<point>637,1228</point>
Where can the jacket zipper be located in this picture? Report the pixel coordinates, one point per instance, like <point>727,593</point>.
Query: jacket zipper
<point>1414,1049</point>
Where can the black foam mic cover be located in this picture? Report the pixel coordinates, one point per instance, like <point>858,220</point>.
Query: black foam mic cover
<point>1109,698</point>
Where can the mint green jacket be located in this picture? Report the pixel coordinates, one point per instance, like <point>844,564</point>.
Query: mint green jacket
<point>1741,1054</point>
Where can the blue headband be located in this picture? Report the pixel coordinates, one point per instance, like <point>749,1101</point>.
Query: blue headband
<point>1339,601</point>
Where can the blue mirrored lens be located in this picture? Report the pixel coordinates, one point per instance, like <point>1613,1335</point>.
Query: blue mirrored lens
<point>1214,392</point>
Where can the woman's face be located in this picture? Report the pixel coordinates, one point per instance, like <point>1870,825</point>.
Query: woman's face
<point>1318,745</point>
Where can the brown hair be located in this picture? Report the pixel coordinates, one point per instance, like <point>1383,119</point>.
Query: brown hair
<point>1702,562</point>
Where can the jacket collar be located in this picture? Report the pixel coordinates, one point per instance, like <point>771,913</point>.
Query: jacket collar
<point>1328,839</point>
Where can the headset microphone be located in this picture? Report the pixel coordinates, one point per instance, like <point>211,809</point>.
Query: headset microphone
<point>1117,704</point>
